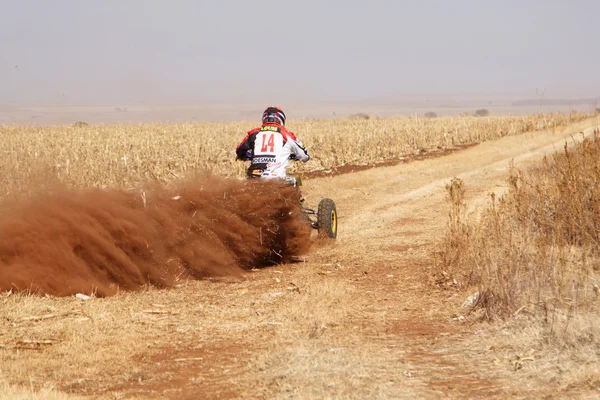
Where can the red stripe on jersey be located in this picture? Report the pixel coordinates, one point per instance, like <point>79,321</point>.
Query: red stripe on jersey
<point>250,133</point>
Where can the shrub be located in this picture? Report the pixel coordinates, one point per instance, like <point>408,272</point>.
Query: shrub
<point>482,112</point>
<point>360,116</point>
<point>430,114</point>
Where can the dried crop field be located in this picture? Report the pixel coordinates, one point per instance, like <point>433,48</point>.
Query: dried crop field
<point>122,156</point>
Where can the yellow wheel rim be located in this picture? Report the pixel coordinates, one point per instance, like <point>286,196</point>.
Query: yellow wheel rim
<point>333,221</point>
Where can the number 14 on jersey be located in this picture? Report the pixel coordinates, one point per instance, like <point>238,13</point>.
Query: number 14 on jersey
<point>267,143</point>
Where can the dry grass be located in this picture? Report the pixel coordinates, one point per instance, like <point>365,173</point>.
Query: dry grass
<point>532,259</point>
<point>94,346</point>
<point>295,331</point>
<point>8,392</point>
<point>536,248</point>
<point>125,155</point>
<point>71,341</point>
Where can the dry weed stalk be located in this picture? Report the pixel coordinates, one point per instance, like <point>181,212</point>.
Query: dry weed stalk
<point>457,240</point>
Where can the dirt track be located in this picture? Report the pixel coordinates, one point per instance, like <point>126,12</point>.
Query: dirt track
<point>395,336</point>
<point>356,319</point>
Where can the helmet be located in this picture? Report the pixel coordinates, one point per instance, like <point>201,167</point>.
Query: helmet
<point>274,114</point>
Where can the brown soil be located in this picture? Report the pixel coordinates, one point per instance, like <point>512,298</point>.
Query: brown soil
<point>421,155</point>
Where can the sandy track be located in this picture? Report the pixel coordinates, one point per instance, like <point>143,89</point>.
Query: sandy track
<point>395,215</point>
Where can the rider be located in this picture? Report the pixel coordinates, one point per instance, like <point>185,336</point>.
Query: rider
<point>270,147</point>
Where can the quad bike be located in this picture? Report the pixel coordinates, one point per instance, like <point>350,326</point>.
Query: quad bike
<point>324,218</point>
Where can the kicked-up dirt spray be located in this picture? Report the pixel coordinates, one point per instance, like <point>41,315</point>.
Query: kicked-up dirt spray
<point>103,241</point>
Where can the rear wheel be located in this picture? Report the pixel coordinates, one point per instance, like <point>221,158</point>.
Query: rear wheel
<point>327,219</point>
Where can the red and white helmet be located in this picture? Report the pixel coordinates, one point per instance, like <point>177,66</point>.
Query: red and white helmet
<point>274,115</point>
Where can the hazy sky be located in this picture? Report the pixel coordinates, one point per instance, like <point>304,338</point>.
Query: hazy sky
<point>118,51</point>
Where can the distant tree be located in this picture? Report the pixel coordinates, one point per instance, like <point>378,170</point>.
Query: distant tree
<point>430,114</point>
<point>360,116</point>
<point>80,124</point>
<point>482,112</point>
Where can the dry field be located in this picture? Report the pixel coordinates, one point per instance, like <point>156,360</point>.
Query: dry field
<point>123,156</point>
<point>364,317</point>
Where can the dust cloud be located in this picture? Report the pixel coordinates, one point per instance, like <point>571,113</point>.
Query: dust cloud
<point>105,241</point>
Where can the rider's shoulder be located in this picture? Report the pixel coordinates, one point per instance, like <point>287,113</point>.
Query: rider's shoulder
<point>289,133</point>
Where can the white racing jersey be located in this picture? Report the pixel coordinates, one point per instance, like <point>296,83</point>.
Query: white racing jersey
<point>269,148</point>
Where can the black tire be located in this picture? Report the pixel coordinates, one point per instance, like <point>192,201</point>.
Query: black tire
<point>327,219</point>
